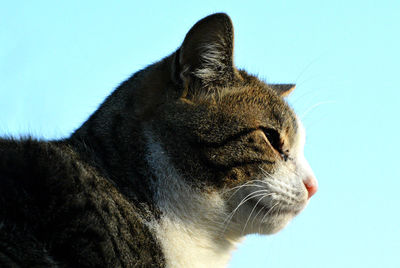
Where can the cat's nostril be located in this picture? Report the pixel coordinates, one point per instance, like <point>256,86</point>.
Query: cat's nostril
<point>311,184</point>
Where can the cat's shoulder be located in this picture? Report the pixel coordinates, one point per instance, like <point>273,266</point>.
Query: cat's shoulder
<point>48,192</point>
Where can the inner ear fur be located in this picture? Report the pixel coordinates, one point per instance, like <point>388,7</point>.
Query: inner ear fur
<point>206,54</point>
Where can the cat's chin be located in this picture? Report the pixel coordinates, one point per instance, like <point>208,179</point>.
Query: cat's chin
<point>269,223</point>
<point>274,224</point>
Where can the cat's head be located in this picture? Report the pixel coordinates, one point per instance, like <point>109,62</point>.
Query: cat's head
<point>229,136</point>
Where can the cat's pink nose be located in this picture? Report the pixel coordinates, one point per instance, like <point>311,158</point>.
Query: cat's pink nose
<point>311,184</point>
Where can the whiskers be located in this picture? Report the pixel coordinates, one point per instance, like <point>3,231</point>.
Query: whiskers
<point>250,183</point>
<point>265,215</point>
<point>267,197</point>
<point>251,213</point>
<point>261,192</point>
<point>243,201</point>
<point>312,107</point>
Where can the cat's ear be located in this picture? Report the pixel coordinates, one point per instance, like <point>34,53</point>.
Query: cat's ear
<point>283,90</point>
<point>206,55</point>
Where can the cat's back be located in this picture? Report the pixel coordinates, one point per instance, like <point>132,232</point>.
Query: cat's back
<point>65,212</point>
<point>26,166</point>
<point>35,174</point>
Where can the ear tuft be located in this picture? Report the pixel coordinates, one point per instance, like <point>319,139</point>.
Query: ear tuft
<point>282,90</point>
<point>206,54</point>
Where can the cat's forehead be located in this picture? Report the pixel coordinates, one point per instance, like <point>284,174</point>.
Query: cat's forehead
<point>260,100</point>
<point>246,104</point>
<point>262,107</point>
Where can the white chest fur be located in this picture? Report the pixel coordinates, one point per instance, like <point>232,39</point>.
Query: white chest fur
<point>191,248</point>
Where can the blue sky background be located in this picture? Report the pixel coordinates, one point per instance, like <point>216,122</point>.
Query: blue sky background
<point>58,61</point>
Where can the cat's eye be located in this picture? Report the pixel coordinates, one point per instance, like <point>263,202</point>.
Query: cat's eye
<point>275,141</point>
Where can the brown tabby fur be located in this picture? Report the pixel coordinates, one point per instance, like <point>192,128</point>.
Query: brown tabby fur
<point>84,201</point>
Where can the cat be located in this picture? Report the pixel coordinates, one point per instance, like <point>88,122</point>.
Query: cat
<point>178,164</point>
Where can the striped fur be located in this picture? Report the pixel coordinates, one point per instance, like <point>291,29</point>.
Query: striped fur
<point>178,164</point>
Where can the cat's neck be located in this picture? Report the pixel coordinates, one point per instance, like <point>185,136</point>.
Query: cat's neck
<point>112,136</point>
<point>111,139</point>
<point>120,162</point>
<point>191,230</point>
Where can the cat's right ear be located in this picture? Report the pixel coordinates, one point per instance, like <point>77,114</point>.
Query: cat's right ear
<point>206,56</point>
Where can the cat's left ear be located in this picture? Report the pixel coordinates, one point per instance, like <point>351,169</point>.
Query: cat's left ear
<point>206,55</point>
<point>282,90</point>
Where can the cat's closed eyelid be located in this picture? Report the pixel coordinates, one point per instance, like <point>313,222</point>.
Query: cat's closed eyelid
<point>273,138</point>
